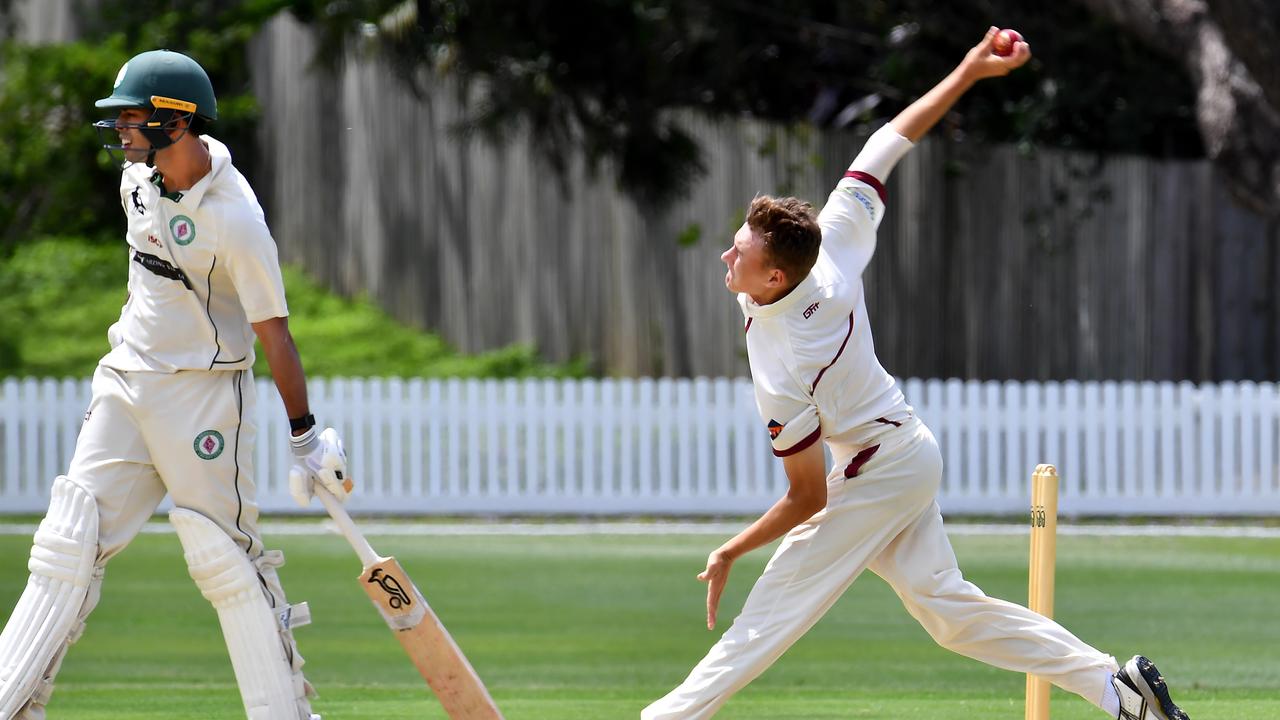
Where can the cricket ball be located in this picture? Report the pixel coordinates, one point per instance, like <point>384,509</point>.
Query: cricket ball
<point>1004,42</point>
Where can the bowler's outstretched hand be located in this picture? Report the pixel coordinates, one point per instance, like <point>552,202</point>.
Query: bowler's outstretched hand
<point>982,62</point>
<point>715,576</point>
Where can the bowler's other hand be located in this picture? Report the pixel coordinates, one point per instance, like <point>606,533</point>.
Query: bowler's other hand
<point>715,576</point>
<point>318,458</point>
<point>982,62</point>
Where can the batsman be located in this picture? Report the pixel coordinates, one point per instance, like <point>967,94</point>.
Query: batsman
<point>799,282</point>
<point>173,403</point>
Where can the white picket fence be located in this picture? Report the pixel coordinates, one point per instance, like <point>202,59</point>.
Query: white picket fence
<point>676,446</point>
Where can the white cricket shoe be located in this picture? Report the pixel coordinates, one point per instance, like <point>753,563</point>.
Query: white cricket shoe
<point>1143,693</point>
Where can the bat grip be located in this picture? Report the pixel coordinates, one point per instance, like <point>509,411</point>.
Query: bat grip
<point>348,528</point>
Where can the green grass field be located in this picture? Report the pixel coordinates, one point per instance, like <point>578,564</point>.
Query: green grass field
<point>578,628</point>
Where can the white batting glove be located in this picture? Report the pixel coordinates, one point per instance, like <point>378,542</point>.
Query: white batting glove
<point>318,458</point>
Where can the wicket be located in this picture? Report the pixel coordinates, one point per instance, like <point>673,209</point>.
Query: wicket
<point>1044,529</point>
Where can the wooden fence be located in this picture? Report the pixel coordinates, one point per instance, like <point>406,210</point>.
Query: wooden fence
<point>992,262</point>
<point>698,447</point>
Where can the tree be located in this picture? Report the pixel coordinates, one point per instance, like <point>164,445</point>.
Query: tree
<point>1241,129</point>
<point>54,177</point>
<point>615,80</point>
<point>1251,29</point>
<point>612,78</point>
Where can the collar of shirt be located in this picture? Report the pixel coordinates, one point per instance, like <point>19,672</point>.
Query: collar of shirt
<point>219,157</point>
<point>782,304</point>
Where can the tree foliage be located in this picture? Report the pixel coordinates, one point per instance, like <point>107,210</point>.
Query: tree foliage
<point>1252,28</point>
<point>612,77</point>
<point>614,80</point>
<point>52,180</point>
<point>55,180</point>
<point>1240,128</point>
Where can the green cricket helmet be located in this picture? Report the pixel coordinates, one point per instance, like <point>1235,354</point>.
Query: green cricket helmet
<point>170,85</point>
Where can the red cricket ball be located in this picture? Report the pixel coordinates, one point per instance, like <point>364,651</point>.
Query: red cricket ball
<point>1005,39</point>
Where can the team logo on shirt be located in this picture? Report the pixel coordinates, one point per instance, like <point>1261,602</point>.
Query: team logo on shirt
<point>183,229</point>
<point>775,429</point>
<point>138,207</point>
<point>209,444</point>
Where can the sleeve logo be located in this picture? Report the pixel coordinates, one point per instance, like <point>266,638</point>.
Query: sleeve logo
<point>136,195</point>
<point>863,200</point>
<point>183,229</point>
<point>775,429</point>
<point>209,444</point>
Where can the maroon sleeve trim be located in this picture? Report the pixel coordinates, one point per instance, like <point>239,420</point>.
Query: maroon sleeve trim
<point>837,357</point>
<point>747,329</point>
<point>803,444</point>
<point>870,180</point>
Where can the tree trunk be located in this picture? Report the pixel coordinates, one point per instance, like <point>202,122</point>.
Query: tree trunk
<point>1252,29</point>
<point>1240,128</point>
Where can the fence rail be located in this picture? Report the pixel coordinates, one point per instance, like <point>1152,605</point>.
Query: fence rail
<point>674,446</point>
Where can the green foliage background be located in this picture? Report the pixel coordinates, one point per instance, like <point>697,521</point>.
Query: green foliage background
<point>54,180</point>
<point>59,295</point>
<point>63,265</point>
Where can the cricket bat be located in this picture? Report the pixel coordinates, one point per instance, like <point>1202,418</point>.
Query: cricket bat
<point>429,645</point>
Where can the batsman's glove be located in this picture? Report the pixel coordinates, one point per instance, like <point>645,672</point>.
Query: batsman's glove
<point>318,458</point>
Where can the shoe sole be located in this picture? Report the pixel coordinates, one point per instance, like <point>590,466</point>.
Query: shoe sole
<point>1153,688</point>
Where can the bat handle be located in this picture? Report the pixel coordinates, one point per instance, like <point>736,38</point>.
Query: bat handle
<point>348,528</point>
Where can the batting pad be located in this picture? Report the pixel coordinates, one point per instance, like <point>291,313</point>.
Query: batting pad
<point>229,581</point>
<point>49,615</point>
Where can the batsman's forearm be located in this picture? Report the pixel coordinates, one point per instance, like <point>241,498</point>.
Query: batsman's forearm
<point>286,365</point>
<point>920,116</point>
<point>286,369</point>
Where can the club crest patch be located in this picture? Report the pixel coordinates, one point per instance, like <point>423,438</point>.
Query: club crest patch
<point>182,229</point>
<point>209,444</point>
<point>775,429</point>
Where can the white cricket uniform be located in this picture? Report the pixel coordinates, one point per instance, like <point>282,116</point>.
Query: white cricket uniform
<point>173,400</point>
<point>816,377</point>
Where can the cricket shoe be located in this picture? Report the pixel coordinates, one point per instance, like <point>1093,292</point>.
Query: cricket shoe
<point>1143,693</point>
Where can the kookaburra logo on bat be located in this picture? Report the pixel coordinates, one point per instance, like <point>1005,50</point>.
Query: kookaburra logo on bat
<point>392,586</point>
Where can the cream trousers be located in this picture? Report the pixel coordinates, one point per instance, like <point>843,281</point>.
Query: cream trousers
<point>884,519</point>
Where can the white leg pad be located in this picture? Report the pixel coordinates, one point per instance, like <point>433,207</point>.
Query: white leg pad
<point>230,582</point>
<point>62,590</point>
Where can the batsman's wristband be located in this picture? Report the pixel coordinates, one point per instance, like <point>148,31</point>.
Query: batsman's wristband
<point>302,423</point>
<point>304,444</point>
